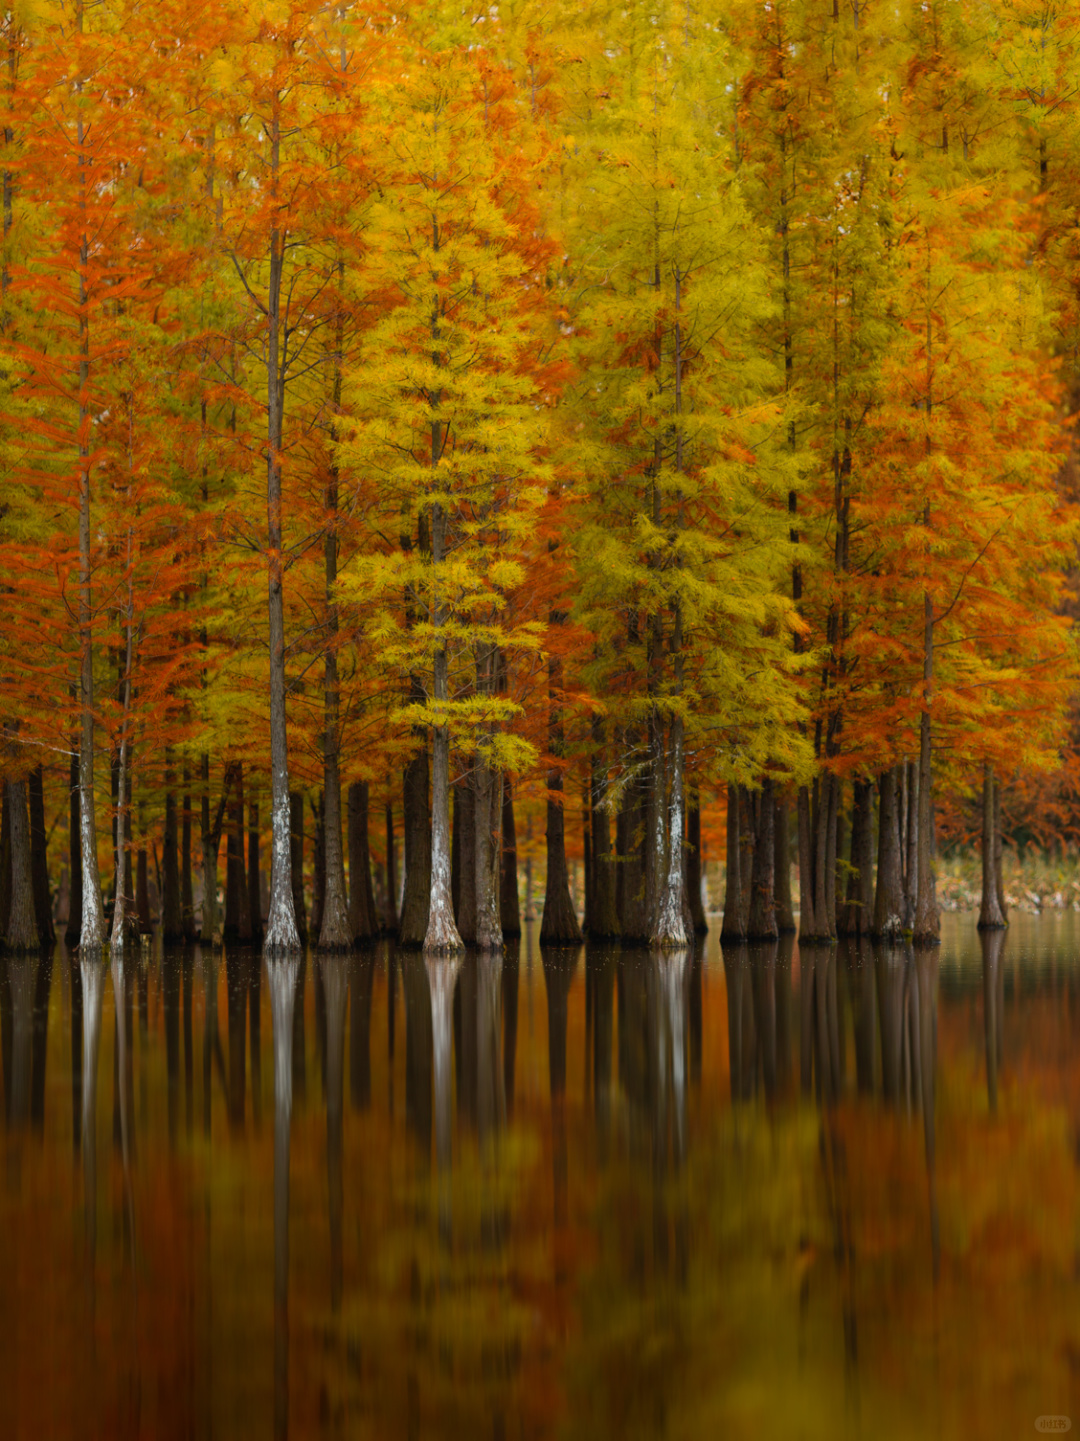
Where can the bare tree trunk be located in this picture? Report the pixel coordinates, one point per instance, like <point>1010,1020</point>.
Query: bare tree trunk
<point>747,834</point>
<point>559,925</point>
<point>442,937</point>
<point>296,869</point>
<point>858,911</point>
<point>187,899</point>
<point>74,921</point>
<point>363,925</point>
<point>927,930</point>
<point>998,845</point>
<point>669,933</point>
<point>911,838</point>
<point>415,901</point>
<point>172,929</point>
<point>889,897</point>
<point>509,909</point>
<point>465,845</point>
<point>39,859</point>
<point>990,915</point>
<point>142,894</point>
<point>734,923</point>
<point>318,869</point>
<point>807,918</point>
<point>761,924</point>
<point>390,919</point>
<point>254,888</point>
<point>22,933</point>
<point>604,916</point>
<point>785,912</point>
<point>693,867</point>
<point>630,841</point>
<point>487,821</point>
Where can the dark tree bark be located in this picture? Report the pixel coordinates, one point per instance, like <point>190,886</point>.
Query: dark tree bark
<point>172,930</point>
<point>39,860</point>
<point>235,879</point>
<point>693,868</point>
<point>21,933</point>
<point>254,888</point>
<point>927,931</point>
<point>747,831</point>
<point>858,913</point>
<point>363,925</point>
<point>318,879</point>
<point>465,821</point>
<point>187,900</point>
<point>604,915</point>
<point>296,865</point>
<point>785,911</point>
<point>508,895</point>
<point>889,898</point>
<point>587,854</point>
<point>74,920</point>
<point>559,925</point>
<point>911,840</point>
<point>734,923</point>
<point>832,836</point>
<point>487,842</point>
<point>990,914</point>
<point>630,842</point>
<point>390,920</point>
<point>998,846</point>
<point>142,894</point>
<point>5,864</point>
<point>761,923</point>
<point>416,899</point>
<point>807,918</point>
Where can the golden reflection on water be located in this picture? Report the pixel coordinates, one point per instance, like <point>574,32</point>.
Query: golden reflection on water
<point>755,1193</point>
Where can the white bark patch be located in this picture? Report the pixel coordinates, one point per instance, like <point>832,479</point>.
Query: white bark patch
<point>281,930</point>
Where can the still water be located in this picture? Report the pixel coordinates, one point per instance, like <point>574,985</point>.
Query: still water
<point>577,1193</point>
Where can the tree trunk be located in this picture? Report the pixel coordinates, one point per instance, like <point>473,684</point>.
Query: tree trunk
<point>390,919</point>
<point>889,898</point>
<point>761,924</point>
<point>335,933</point>
<point>630,841</point>
<point>604,916</point>
<point>142,895</point>
<point>807,919</point>
<point>210,842</point>
<point>734,923</point>
<point>39,859</point>
<point>417,891</point>
<point>785,912</point>
<point>465,845</point>
<point>911,839</point>
<point>509,909</point>
<point>990,914</point>
<point>318,869</point>
<point>832,838</point>
<point>559,925</point>
<point>254,888</point>
<point>363,925</point>
<point>244,932</point>
<point>441,937</point>
<point>747,829</point>
<point>297,908</point>
<point>22,933</point>
<point>998,846</point>
<point>5,861</point>
<point>487,832</point>
<point>74,921</point>
<point>670,933</point>
<point>927,930</point>
<point>172,929</point>
<point>693,867</point>
<point>187,899</point>
<point>857,915</point>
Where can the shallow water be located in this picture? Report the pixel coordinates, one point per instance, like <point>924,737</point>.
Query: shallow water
<point>582,1194</point>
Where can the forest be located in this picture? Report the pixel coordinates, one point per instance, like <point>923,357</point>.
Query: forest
<point>441,441</point>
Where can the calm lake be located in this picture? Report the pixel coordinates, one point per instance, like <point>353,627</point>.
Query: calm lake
<point>750,1194</point>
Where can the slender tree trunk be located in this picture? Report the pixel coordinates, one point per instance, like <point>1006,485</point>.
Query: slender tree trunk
<point>669,933</point>
<point>172,929</point>
<point>296,867</point>
<point>487,821</point>
<point>74,921</point>
<point>442,937</point>
<point>142,895</point>
<point>559,925</point>
<point>417,892</point>
<point>785,912</point>
<point>927,930</point>
<point>857,916</point>
<point>998,846</point>
<point>761,924</point>
<point>22,932</point>
<point>990,914</point>
<point>807,919</point>
<point>318,868</point>
<point>734,923</point>
<point>254,888</point>
<point>362,927</point>
<point>693,867</point>
<point>509,909</point>
<point>911,838</point>
<point>334,934</point>
<point>187,899</point>
<point>39,859</point>
<point>889,897</point>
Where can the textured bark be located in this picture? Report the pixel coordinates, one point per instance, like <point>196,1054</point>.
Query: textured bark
<point>655,848</point>
<point>807,919</point>
<point>187,899</point>
<point>824,841</point>
<point>211,841</point>
<point>362,923</point>
<point>990,914</point>
<point>559,925</point>
<point>142,894</point>
<point>693,868</point>
<point>785,911</point>
<point>464,893</point>
<point>254,889</point>
<point>630,842</point>
<point>318,869</point>
<point>39,860</point>
<point>74,920</point>
<point>888,922</point>
<point>172,929</point>
<point>417,892</point>
<point>669,931</point>
<point>487,834</point>
<point>21,933</point>
<point>761,921</point>
<point>734,923</point>
<point>857,916</point>
<point>509,909</point>
<point>296,867</point>
<point>442,937</point>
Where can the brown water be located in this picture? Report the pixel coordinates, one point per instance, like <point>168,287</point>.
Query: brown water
<point>582,1194</point>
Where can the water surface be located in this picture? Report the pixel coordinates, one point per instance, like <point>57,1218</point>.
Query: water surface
<point>577,1193</point>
